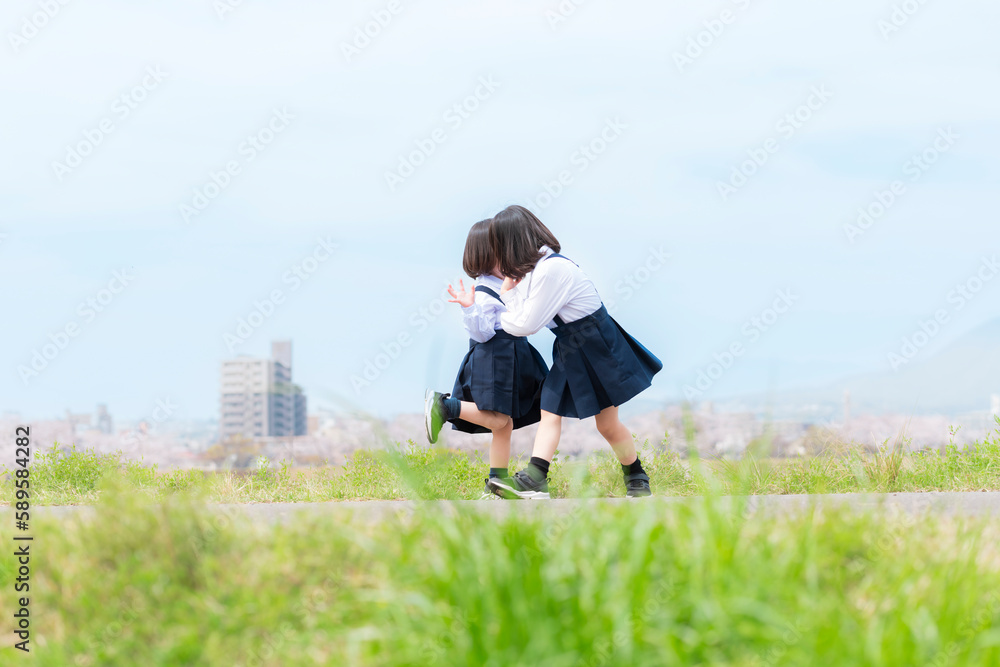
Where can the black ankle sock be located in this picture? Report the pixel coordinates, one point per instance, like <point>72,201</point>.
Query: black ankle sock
<point>633,468</point>
<point>541,465</point>
<point>498,472</point>
<point>452,408</point>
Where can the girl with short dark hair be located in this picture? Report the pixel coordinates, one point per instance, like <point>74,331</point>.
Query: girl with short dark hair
<point>596,365</point>
<point>499,383</point>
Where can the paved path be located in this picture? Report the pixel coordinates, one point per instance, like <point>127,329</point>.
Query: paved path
<point>971,503</point>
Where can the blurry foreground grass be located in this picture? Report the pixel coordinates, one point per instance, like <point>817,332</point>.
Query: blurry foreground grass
<point>73,476</point>
<point>643,583</point>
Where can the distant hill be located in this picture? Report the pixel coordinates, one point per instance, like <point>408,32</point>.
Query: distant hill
<point>959,378</point>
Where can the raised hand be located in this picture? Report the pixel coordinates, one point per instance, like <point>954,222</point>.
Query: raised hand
<point>508,284</point>
<point>462,297</point>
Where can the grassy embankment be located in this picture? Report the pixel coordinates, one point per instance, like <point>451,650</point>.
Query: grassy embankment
<point>646,583</point>
<point>159,577</point>
<point>75,477</point>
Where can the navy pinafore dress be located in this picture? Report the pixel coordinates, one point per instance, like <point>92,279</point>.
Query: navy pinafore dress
<point>504,374</point>
<point>596,364</point>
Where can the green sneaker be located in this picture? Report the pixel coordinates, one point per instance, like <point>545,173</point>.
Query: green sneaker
<point>433,414</point>
<point>521,486</point>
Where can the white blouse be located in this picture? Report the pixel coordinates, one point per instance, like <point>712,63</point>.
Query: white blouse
<point>482,318</point>
<point>555,287</point>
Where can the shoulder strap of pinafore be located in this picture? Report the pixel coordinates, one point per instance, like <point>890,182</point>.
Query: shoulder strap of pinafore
<point>555,254</point>
<point>487,290</point>
<point>558,320</point>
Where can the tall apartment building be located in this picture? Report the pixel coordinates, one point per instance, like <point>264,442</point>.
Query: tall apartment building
<point>104,422</point>
<point>258,397</point>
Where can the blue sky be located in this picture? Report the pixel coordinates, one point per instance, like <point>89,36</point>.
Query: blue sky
<point>347,121</point>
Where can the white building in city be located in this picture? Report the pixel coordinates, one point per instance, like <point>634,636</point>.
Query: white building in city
<point>258,398</point>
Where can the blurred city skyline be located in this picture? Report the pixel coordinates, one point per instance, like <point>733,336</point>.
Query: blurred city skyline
<point>818,177</point>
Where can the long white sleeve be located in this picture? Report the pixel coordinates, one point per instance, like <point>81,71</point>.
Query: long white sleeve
<point>538,298</point>
<point>480,319</point>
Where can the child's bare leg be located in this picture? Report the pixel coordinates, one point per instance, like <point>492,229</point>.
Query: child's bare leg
<point>485,418</point>
<point>532,482</point>
<point>547,437</point>
<point>500,447</point>
<point>617,435</point>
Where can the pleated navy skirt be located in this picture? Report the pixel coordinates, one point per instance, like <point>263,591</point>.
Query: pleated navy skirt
<point>504,374</point>
<point>595,364</point>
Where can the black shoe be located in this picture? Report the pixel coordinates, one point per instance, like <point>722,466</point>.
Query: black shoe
<point>433,414</point>
<point>637,485</point>
<point>521,486</point>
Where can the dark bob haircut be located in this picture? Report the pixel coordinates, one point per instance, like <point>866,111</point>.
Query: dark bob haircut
<point>517,236</point>
<point>479,259</point>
